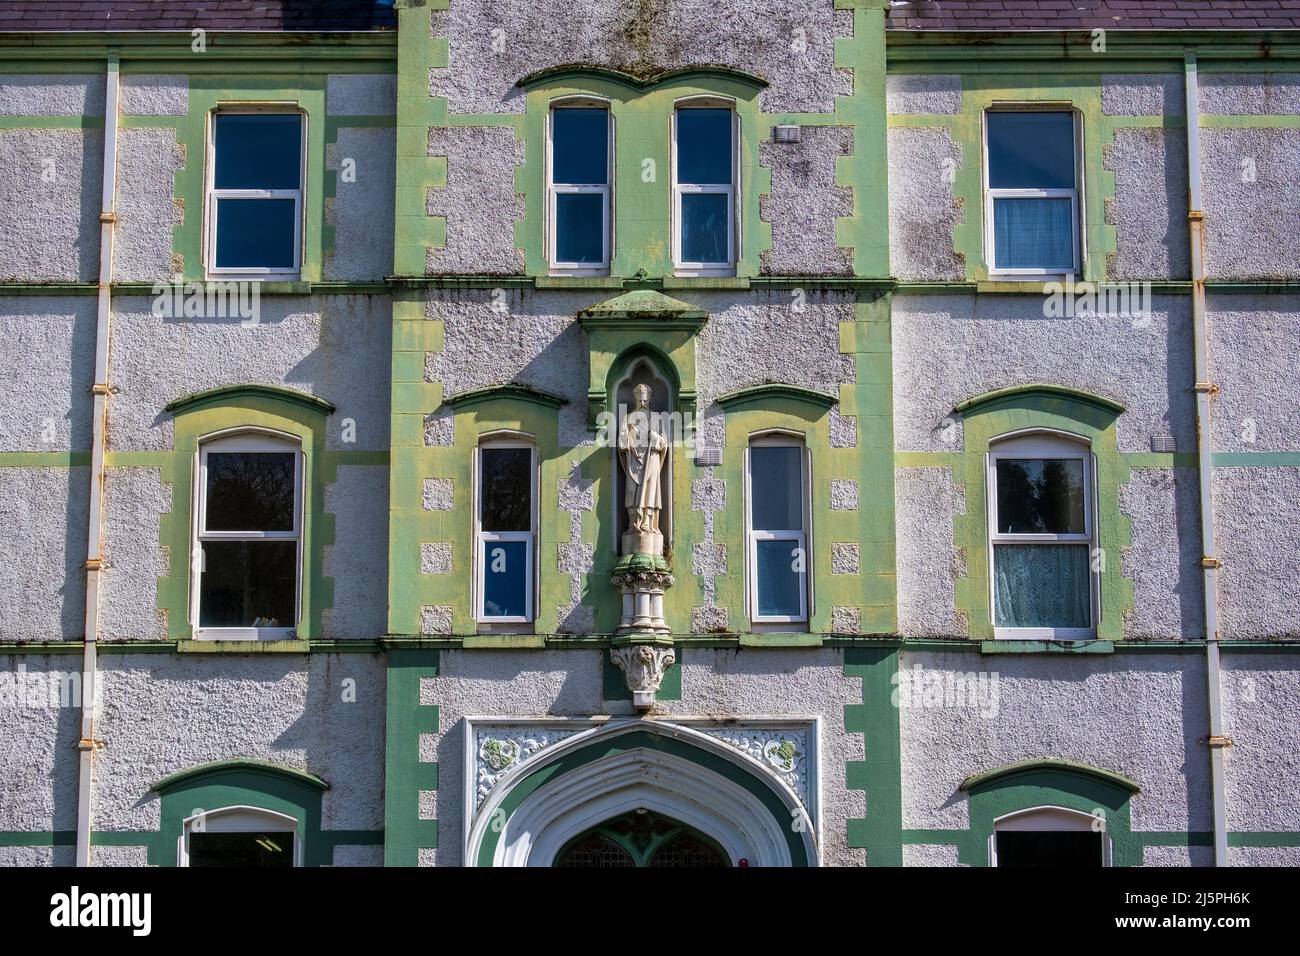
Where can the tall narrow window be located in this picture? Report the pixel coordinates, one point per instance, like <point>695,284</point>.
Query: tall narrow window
<point>778,539</point>
<point>506,523</point>
<point>1042,538</point>
<point>1033,192</point>
<point>249,532</point>
<point>704,193</point>
<point>579,188</point>
<point>255,196</point>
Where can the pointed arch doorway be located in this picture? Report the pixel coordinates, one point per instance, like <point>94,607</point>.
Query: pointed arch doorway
<point>578,801</point>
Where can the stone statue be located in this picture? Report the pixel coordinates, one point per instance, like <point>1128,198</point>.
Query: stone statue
<point>642,450</point>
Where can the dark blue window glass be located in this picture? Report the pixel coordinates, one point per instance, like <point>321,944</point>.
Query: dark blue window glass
<point>704,227</point>
<point>580,147</point>
<point>1031,150</point>
<point>704,147</point>
<point>776,484</point>
<point>255,233</point>
<point>505,578</point>
<point>580,227</point>
<point>780,578</point>
<point>258,151</point>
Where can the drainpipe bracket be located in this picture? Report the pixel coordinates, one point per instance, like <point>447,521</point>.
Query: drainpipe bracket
<point>108,216</point>
<point>99,388</point>
<point>90,743</point>
<point>1195,215</point>
<point>1210,561</point>
<point>1217,740</point>
<point>1209,388</point>
<point>94,564</point>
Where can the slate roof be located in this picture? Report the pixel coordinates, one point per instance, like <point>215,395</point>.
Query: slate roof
<point>1003,15</point>
<point>186,15</point>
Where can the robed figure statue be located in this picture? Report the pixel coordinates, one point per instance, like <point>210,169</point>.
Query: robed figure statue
<point>641,450</point>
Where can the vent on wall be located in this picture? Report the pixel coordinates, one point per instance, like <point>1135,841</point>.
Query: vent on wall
<point>1163,443</point>
<point>707,457</point>
<point>787,134</point>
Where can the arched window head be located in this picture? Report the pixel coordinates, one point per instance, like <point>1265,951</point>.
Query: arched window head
<point>247,577</point>
<point>1050,837</point>
<point>1042,534</point>
<point>239,836</point>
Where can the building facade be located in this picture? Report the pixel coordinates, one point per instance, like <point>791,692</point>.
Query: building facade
<point>959,526</point>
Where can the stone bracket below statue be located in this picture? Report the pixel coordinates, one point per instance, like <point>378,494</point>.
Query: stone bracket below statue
<point>643,667</point>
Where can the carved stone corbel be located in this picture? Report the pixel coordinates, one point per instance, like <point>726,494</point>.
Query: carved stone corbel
<point>643,667</point>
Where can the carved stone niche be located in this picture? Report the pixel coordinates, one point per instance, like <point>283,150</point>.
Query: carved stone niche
<point>643,667</point>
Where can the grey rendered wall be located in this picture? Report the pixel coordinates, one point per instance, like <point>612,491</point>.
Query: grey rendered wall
<point>494,44</point>
<point>1141,716</point>
<point>164,713</point>
<point>1255,360</point>
<point>796,682</point>
<point>950,348</point>
<point>38,752</point>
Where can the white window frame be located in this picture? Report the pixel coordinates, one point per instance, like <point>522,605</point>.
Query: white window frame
<point>245,441</point>
<point>483,539</point>
<point>801,537</point>
<point>554,190</point>
<point>1050,819</point>
<point>1075,196</point>
<point>1044,444</point>
<point>728,268</point>
<point>214,194</point>
<point>237,819</point>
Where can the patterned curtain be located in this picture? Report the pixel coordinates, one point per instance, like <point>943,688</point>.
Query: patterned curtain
<point>1041,585</point>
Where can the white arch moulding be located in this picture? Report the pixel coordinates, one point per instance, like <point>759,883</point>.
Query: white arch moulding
<point>683,789</point>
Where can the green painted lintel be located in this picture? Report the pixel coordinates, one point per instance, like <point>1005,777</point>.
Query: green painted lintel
<point>1040,388</point>
<point>288,646</point>
<point>567,74</point>
<point>229,393</point>
<point>980,780</point>
<point>510,391</point>
<point>772,390</point>
<point>266,767</point>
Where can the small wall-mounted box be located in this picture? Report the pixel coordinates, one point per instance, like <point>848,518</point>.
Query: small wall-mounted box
<point>787,134</point>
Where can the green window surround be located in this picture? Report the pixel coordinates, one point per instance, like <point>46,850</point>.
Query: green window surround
<point>298,418</point>
<point>1079,416</point>
<point>641,118</point>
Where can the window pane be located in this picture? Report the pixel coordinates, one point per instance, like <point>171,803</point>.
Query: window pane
<point>250,491</point>
<point>704,227</point>
<point>779,578</point>
<point>505,578</point>
<point>1081,850</point>
<point>248,584</point>
<point>241,849</point>
<point>255,234</point>
<point>1040,496</point>
<point>1033,234</point>
<point>506,489</point>
<point>704,146</point>
<point>580,227</point>
<point>258,151</point>
<point>1031,150</point>
<point>580,147</point>
<point>1041,585</point>
<point>776,486</point>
